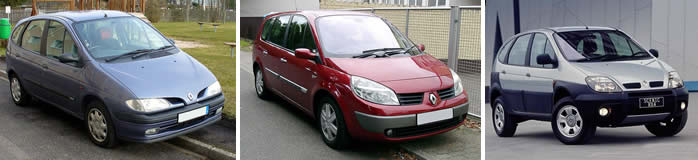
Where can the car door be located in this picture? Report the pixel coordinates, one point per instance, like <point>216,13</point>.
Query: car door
<point>29,59</point>
<point>538,92</point>
<point>62,76</point>
<point>513,75</point>
<point>277,57</point>
<point>301,72</point>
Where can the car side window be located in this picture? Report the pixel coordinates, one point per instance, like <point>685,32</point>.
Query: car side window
<point>299,35</point>
<point>17,32</point>
<point>267,26</point>
<point>502,54</point>
<point>54,40</point>
<point>517,54</point>
<point>539,46</point>
<point>278,32</point>
<point>31,39</point>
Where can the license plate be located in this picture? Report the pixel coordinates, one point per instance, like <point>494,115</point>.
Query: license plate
<point>424,118</point>
<point>189,115</point>
<point>651,102</point>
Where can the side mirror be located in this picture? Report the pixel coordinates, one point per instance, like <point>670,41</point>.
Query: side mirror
<point>67,58</point>
<point>171,40</point>
<point>654,52</point>
<point>545,59</point>
<point>421,47</point>
<point>305,54</point>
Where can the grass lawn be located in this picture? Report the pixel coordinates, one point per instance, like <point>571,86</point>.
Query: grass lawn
<point>216,56</point>
<point>2,51</point>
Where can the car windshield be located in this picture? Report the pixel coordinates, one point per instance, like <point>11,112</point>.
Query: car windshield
<point>599,45</point>
<point>351,35</point>
<point>112,37</point>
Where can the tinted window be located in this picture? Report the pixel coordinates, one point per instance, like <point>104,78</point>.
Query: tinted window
<point>31,39</point>
<point>278,31</point>
<point>502,54</point>
<point>267,27</point>
<point>299,35</point>
<point>17,32</point>
<point>541,45</point>
<point>517,55</point>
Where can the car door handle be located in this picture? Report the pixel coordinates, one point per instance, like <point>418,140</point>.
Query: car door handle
<point>504,72</point>
<point>44,66</point>
<point>283,60</point>
<point>528,75</point>
<point>265,52</point>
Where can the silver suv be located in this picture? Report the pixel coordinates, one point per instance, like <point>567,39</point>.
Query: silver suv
<point>583,77</point>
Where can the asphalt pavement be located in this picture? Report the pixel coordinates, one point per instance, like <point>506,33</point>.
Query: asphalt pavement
<point>535,140</point>
<point>42,131</point>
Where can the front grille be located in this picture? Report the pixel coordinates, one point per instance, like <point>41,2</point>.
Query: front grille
<point>446,93</point>
<point>427,128</point>
<point>656,84</point>
<point>632,85</point>
<point>410,98</point>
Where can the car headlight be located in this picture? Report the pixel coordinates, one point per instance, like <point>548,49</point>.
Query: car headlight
<point>602,84</point>
<point>675,80</point>
<point>148,105</point>
<point>457,85</point>
<point>213,89</point>
<point>373,91</point>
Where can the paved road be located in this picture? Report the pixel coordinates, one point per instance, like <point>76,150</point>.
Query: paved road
<point>41,131</point>
<point>535,140</point>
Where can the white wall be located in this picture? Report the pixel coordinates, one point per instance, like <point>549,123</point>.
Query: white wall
<point>259,8</point>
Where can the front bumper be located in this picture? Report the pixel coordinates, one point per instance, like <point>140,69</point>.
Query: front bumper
<point>132,127</point>
<point>404,126</point>
<point>625,107</point>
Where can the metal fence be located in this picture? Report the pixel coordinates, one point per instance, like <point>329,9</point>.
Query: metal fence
<point>197,15</point>
<point>452,35</point>
<point>16,15</point>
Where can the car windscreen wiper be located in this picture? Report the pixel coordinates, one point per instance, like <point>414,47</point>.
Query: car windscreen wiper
<point>633,55</point>
<point>401,52</point>
<point>134,52</point>
<point>151,51</point>
<point>601,57</point>
<point>372,52</point>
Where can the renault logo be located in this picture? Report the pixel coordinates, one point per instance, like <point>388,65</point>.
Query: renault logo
<point>190,96</point>
<point>645,83</point>
<point>432,98</point>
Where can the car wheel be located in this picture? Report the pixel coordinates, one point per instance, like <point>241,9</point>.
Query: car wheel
<point>504,124</point>
<point>570,125</point>
<point>669,127</point>
<point>99,125</point>
<point>19,96</point>
<point>332,126</point>
<point>260,84</point>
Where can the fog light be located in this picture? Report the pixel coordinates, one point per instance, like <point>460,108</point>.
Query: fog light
<point>603,111</point>
<point>389,132</point>
<point>152,131</point>
<point>219,110</point>
<point>683,105</point>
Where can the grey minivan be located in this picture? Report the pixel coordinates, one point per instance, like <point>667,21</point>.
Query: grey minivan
<point>114,71</point>
<point>583,77</point>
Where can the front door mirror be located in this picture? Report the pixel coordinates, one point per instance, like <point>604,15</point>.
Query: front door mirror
<point>67,58</point>
<point>421,47</point>
<point>305,54</point>
<point>654,52</point>
<point>544,59</point>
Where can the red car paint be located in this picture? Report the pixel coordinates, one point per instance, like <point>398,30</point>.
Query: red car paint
<point>411,74</point>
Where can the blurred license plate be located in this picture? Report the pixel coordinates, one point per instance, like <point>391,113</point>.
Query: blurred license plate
<point>424,118</point>
<point>189,115</point>
<point>651,102</point>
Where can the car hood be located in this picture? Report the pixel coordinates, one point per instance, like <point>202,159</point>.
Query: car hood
<point>627,71</point>
<point>173,76</point>
<point>399,73</point>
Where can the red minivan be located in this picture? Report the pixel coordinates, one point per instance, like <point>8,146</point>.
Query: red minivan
<point>358,75</point>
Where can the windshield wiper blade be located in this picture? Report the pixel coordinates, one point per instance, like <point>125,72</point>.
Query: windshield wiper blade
<point>401,52</point>
<point>151,51</point>
<point>371,52</point>
<point>633,55</point>
<point>601,57</point>
<point>128,54</point>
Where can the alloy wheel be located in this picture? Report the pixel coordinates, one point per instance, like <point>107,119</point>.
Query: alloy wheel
<point>259,82</point>
<point>328,122</point>
<point>97,125</point>
<point>16,90</point>
<point>569,121</point>
<point>499,117</point>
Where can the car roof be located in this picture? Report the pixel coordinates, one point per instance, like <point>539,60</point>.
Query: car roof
<point>321,13</point>
<point>78,16</point>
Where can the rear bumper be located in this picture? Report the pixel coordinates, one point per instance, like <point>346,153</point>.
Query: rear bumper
<point>405,126</point>
<point>625,107</point>
<point>131,127</point>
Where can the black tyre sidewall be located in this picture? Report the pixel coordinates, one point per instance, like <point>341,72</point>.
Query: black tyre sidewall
<point>509,128</point>
<point>111,140</point>
<point>588,126</point>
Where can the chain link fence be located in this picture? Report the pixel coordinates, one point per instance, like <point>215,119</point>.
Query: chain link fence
<point>452,35</point>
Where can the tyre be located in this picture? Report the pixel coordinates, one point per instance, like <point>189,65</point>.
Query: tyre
<point>100,127</point>
<point>570,125</point>
<point>332,126</point>
<point>260,84</point>
<point>669,127</point>
<point>504,123</point>
<point>18,95</point>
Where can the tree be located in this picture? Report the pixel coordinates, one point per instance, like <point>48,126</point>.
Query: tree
<point>13,3</point>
